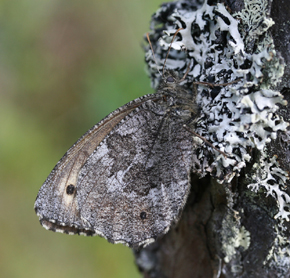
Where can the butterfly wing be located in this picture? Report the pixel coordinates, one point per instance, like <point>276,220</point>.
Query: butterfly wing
<point>127,179</point>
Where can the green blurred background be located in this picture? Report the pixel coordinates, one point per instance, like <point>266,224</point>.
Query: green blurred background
<point>64,65</point>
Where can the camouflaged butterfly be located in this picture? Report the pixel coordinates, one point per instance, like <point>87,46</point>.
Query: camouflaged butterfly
<point>127,179</point>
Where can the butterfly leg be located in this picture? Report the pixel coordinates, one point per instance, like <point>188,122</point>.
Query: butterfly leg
<point>205,140</point>
<point>212,85</point>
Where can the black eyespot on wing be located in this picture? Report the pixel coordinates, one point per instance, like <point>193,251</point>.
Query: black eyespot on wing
<point>143,215</point>
<point>70,189</point>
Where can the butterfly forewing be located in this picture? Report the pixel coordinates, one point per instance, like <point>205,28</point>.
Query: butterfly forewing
<point>126,179</point>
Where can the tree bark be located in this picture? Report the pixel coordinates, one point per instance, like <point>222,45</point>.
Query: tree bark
<point>227,229</point>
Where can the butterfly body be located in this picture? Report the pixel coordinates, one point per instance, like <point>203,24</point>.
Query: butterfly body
<point>127,179</point>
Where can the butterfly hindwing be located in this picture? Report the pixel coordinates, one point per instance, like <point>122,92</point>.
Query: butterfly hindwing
<point>127,183</point>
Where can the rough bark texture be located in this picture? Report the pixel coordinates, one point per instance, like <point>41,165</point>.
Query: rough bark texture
<point>196,247</point>
<point>280,12</point>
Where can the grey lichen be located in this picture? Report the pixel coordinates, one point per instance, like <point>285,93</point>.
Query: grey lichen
<point>279,255</point>
<point>234,236</point>
<point>237,118</point>
<point>267,174</point>
<point>254,21</point>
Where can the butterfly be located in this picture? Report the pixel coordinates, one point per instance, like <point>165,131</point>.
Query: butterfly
<point>127,179</point>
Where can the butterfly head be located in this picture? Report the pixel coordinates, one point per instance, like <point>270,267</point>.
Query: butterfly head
<point>170,79</point>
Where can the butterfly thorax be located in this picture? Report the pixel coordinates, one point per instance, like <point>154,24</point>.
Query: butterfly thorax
<point>183,98</point>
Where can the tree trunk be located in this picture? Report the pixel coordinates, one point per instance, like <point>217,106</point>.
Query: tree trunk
<point>235,221</point>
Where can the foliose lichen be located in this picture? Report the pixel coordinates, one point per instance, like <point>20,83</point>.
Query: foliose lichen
<point>237,117</point>
<point>234,49</point>
<point>234,236</point>
<point>267,173</point>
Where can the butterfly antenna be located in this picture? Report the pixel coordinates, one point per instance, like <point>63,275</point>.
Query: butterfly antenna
<point>187,71</point>
<point>147,35</point>
<point>177,31</point>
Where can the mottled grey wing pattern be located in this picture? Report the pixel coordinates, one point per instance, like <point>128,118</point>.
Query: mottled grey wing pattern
<point>126,179</point>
